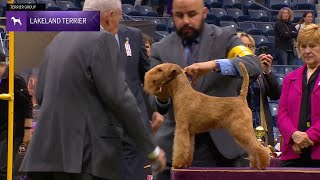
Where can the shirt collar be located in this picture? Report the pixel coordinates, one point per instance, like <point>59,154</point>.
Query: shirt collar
<point>195,41</point>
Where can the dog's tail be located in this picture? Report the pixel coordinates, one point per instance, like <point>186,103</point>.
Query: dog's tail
<point>245,83</point>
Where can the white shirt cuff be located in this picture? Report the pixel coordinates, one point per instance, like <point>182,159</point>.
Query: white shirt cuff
<point>154,153</point>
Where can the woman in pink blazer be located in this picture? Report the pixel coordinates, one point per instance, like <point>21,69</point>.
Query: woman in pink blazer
<point>298,118</point>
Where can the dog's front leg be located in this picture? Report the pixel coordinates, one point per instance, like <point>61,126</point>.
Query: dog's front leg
<point>181,146</point>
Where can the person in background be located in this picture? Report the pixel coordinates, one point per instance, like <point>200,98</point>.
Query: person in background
<point>22,115</point>
<point>214,52</point>
<point>265,86</point>
<point>285,32</point>
<point>148,41</point>
<point>298,116</point>
<point>307,19</point>
<point>86,106</point>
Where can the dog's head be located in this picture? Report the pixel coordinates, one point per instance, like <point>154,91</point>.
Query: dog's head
<point>157,79</point>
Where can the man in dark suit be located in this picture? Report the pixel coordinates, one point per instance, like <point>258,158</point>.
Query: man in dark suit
<point>22,115</point>
<point>211,51</point>
<point>136,64</point>
<point>85,107</point>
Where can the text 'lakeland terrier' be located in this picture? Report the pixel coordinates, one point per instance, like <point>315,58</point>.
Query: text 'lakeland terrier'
<point>231,113</point>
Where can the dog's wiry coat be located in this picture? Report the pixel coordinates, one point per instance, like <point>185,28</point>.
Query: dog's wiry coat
<point>196,112</point>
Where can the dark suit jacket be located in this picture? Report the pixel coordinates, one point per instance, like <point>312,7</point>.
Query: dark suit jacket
<point>269,88</point>
<point>215,43</point>
<point>22,106</point>
<point>85,103</point>
<point>135,66</point>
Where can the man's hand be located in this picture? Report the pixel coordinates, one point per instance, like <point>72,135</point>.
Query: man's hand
<point>157,120</point>
<point>197,70</point>
<point>27,136</point>
<point>266,61</point>
<point>301,139</point>
<point>159,163</point>
<point>27,131</point>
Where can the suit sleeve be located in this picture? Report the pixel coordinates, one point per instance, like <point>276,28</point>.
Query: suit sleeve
<point>284,122</point>
<point>109,79</point>
<point>250,61</point>
<point>273,90</point>
<point>22,96</point>
<point>41,78</point>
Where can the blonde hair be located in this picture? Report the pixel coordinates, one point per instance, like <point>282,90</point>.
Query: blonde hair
<point>253,43</point>
<point>291,16</point>
<point>309,32</point>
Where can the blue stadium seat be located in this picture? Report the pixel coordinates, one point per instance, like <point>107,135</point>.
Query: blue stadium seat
<point>232,4</point>
<point>278,70</point>
<point>160,26</point>
<point>213,4</point>
<point>229,23</point>
<point>303,4</point>
<point>273,108</point>
<point>50,5</point>
<point>221,14</point>
<point>146,11</point>
<point>261,40</point>
<point>266,28</point>
<point>249,27</point>
<point>250,5</point>
<point>67,5</point>
<point>212,19</point>
<point>280,80</point>
<point>278,4</point>
<point>288,69</point>
<point>128,9</point>
<point>237,14</point>
<point>259,15</point>
<point>170,25</point>
<point>297,15</point>
<point>160,34</point>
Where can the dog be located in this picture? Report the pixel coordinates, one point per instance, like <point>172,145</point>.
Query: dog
<point>16,21</point>
<point>232,113</point>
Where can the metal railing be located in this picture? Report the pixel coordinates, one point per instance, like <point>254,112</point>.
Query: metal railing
<point>10,98</point>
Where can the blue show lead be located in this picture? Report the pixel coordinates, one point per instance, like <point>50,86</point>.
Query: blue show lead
<point>26,7</point>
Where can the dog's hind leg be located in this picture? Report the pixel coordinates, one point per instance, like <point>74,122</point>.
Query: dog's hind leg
<point>192,136</point>
<point>241,129</point>
<point>181,146</point>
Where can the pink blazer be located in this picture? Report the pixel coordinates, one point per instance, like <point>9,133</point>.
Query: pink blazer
<point>289,111</point>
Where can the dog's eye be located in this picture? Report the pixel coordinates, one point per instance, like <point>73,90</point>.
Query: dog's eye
<point>160,70</point>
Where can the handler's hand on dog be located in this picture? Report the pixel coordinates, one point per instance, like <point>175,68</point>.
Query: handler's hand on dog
<point>197,70</point>
<point>157,120</point>
<point>159,162</point>
<point>302,139</point>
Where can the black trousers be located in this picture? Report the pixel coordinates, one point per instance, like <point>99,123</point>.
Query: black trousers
<point>301,163</point>
<point>62,176</point>
<point>4,153</point>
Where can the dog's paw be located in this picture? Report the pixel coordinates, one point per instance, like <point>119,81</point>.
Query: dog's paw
<point>181,165</point>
